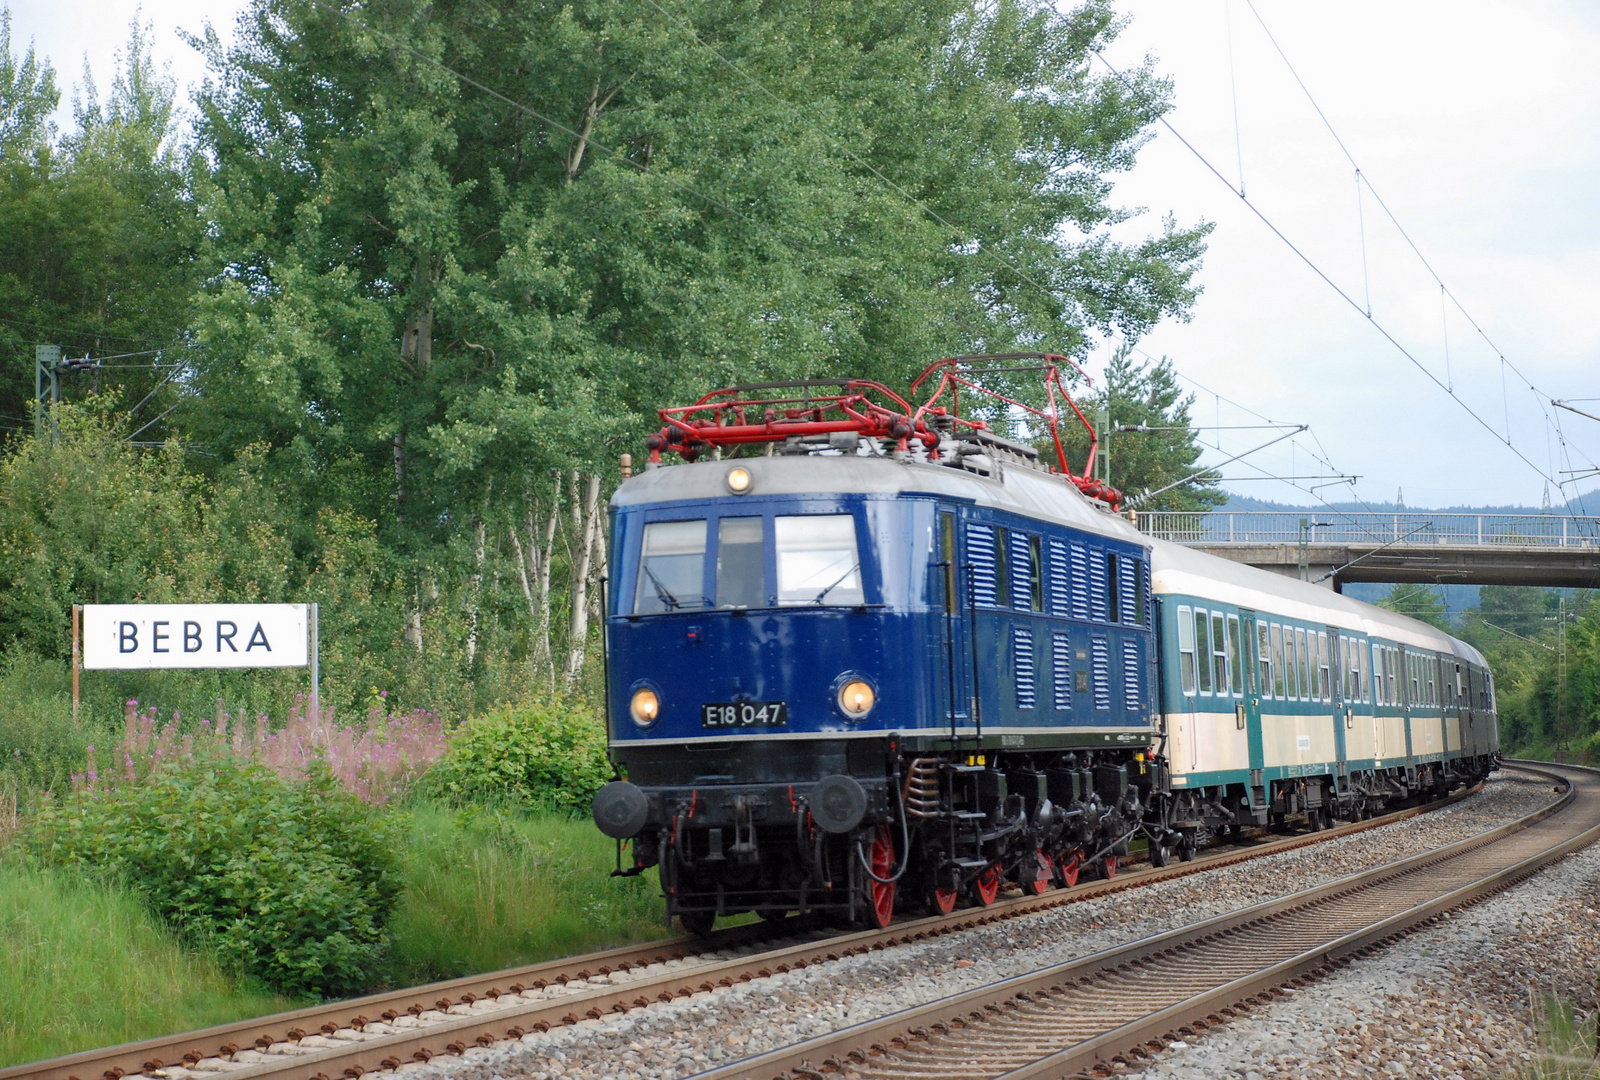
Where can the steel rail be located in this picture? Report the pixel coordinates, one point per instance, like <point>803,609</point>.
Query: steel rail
<point>1122,1003</point>
<point>486,1008</point>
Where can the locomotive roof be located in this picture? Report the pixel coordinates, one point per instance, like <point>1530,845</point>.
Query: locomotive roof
<point>1048,497</point>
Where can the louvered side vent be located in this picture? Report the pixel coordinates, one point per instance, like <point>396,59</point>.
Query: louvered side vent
<point>1147,606</point>
<point>980,553</point>
<point>1100,673</point>
<point>1080,582</point>
<point>1061,670</point>
<point>1022,572</point>
<point>1097,586</point>
<point>1131,680</point>
<point>1060,582</point>
<point>1127,570</point>
<point>1022,664</point>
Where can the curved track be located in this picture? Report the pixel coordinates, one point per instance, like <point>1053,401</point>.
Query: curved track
<point>384,1030</point>
<point>1118,1005</point>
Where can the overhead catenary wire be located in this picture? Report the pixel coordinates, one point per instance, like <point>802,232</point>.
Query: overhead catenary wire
<point>1316,269</point>
<point>1444,289</point>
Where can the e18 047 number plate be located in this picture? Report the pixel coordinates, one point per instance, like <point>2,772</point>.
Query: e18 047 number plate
<point>744,714</point>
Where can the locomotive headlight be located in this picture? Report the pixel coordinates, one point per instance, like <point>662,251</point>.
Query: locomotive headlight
<point>644,707</point>
<point>856,699</point>
<point>739,481</point>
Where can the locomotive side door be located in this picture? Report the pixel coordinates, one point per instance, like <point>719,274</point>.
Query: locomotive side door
<point>1249,713</point>
<point>950,587</point>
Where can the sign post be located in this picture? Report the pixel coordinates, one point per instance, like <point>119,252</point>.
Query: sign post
<point>141,637</point>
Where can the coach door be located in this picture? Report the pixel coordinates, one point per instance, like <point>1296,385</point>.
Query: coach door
<point>1249,714</point>
<point>1326,642</point>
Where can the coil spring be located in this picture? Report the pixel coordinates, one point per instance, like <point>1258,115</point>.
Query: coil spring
<point>921,790</point>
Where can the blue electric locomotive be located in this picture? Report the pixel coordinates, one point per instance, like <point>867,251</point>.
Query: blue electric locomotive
<point>861,654</point>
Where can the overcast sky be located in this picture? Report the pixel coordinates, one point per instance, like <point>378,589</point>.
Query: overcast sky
<point>1477,122</point>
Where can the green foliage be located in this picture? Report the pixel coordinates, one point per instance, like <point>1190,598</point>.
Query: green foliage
<point>489,889</point>
<point>1419,602</point>
<point>28,96</point>
<point>401,305</point>
<point>290,883</point>
<point>545,753</point>
<point>86,965</point>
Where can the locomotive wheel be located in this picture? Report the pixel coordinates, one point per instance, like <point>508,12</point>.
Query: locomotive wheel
<point>1046,874</point>
<point>942,901</point>
<point>1108,866</point>
<point>1067,868</point>
<point>881,858</point>
<point>771,917</point>
<point>986,886</point>
<point>697,923</point>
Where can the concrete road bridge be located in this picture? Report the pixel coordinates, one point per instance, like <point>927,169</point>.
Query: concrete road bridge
<point>1335,548</point>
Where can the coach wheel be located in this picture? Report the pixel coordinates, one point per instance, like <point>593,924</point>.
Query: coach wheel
<point>1186,848</point>
<point>986,886</point>
<point>1108,866</point>
<point>697,923</point>
<point>1067,868</point>
<point>1160,853</point>
<point>1044,873</point>
<point>880,911</point>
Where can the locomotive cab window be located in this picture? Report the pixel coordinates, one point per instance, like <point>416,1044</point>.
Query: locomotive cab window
<point>672,561</point>
<point>740,563</point>
<point>817,560</point>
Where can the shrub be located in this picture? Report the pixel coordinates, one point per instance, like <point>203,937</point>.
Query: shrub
<point>292,883</point>
<point>541,754</point>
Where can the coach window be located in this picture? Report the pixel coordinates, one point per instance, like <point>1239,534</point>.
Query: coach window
<point>1433,694</point>
<point>1186,649</point>
<point>1277,660</point>
<point>1363,668</point>
<point>1264,658</point>
<point>1380,666</point>
<point>1202,648</point>
<point>1292,674</point>
<point>1324,687</point>
<point>1415,677</point>
<point>1304,663</point>
<point>817,560</point>
<point>1219,652</point>
<point>672,565</point>
<point>1235,655</point>
<point>739,563</point>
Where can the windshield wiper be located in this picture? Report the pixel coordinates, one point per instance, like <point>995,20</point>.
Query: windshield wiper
<point>668,601</point>
<point>837,583</point>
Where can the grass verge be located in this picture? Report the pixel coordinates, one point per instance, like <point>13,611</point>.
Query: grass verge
<point>84,966</point>
<point>491,889</point>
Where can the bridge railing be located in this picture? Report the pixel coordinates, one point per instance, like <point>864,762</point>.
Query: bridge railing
<point>1408,528</point>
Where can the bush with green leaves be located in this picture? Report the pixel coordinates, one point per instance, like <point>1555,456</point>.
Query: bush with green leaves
<point>539,754</point>
<point>291,883</point>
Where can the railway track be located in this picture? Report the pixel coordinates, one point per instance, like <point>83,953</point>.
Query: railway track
<point>1090,1015</point>
<point>384,1031</point>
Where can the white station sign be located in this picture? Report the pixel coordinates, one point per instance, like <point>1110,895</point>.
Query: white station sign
<point>139,636</point>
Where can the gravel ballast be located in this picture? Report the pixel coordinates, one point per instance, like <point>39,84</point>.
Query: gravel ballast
<point>670,1040</point>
